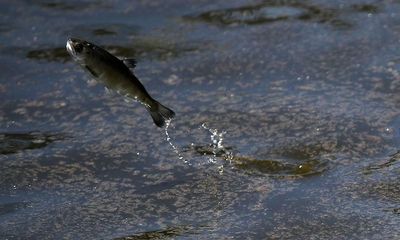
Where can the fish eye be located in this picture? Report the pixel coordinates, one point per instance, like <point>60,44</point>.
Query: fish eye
<point>89,45</point>
<point>78,48</point>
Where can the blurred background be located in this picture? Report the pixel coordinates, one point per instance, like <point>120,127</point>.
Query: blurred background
<point>287,121</point>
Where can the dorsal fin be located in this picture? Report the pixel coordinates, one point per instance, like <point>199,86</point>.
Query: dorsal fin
<point>129,62</point>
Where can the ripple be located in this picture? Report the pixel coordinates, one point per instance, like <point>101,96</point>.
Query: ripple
<point>168,233</point>
<point>68,5</point>
<point>143,49</point>
<point>151,49</point>
<point>58,54</point>
<point>367,8</point>
<point>208,150</point>
<point>384,189</point>
<point>279,167</point>
<point>114,29</point>
<point>386,164</point>
<point>272,11</point>
<point>290,162</point>
<point>6,208</point>
<point>15,142</point>
<point>103,31</point>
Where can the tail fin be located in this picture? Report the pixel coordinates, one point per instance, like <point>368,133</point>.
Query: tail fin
<point>160,113</point>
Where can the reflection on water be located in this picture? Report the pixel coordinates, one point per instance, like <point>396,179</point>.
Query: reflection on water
<point>272,11</point>
<point>385,163</point>
<point>290,160</point>
<point>67,5</point>
<point>15,142</point>
<point>49,54</point>
<point>300,100</point>
<point>294,162</point>
<point>145,48</point>
<point>280,168</point>
<point>367,8</point>
<point>152,48</point>
<point>102,31</point>
<point>168,233</point>
<point>6,208</point>
<point>61,5</point>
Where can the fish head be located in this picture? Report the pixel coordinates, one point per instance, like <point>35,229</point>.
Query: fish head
<point>96,60</point>
<point>79,49</point>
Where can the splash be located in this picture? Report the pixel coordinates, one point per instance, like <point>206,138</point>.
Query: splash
<point>168,138</point>
<point>218,148</point>
<point>217,138</point>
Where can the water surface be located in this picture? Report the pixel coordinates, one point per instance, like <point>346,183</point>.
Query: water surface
<point>287,121</point>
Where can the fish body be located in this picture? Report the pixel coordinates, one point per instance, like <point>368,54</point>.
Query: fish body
<point>116,75</point>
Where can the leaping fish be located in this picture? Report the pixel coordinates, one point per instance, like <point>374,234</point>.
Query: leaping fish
<point>116,75</point>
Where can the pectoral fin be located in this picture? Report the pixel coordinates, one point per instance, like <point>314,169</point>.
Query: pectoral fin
<point>129,62</point>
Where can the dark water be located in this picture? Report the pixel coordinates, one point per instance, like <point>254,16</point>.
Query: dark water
<point>287,126</point>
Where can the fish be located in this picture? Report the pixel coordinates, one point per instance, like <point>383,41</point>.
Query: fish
<point>116,75</point>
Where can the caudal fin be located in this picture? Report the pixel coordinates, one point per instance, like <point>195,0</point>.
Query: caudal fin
<point>160,113</point>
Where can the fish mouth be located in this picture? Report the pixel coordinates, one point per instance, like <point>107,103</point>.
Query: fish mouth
<point>74,48</point>
<point>70,47</point>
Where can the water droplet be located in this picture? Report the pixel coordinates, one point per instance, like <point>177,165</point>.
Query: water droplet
<point>221,169</point>
<point>216,140</point>
<point>168,138</point>
<point>38,141</point>
<point>10,124</point>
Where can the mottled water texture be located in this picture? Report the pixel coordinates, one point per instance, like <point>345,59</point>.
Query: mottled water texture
<point>16,142</point>
<point>287,121</point>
